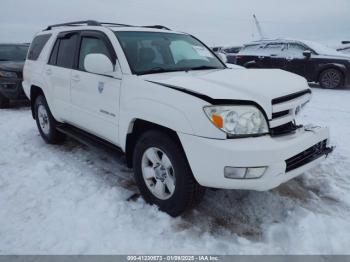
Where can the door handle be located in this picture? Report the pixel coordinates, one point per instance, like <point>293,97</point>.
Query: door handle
<point>289,59</point>
<point>48,71</point>
<point>261,57</point>
<point>76,78</point>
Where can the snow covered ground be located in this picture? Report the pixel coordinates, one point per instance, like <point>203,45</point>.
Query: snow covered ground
<point>71,199</point>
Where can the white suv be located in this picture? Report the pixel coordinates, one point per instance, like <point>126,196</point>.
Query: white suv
<point>183,119</point>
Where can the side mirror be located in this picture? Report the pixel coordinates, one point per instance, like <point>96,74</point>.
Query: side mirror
<point>307,54</point>
<point>222,57</point>
<point>98,64</point>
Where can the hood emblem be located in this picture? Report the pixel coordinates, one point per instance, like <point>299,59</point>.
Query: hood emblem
<point>100,87</point>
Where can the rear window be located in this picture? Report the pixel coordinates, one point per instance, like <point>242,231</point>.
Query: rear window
<point>37,46</point>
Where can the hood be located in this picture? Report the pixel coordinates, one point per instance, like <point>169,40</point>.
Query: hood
<point>257,85</point>
<point>12,66</point>
<point>339,56</point>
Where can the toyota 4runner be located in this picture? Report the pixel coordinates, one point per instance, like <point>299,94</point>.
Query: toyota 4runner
<point>184,120</point>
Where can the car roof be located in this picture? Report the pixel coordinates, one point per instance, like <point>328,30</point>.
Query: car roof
<point>279,40</point>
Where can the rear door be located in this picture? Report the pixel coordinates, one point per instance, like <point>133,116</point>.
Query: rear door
<point>95,98</point>
<point>58,73</point>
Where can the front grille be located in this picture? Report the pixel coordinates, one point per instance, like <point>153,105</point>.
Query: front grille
<point>280,114</point>
<point>307,156</point>
<point>287,98</point>
<point>284,129</point>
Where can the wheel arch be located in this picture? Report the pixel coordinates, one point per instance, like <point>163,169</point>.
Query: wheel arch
<point>139,126</point>
<point>35,91</point>
<point>340,67</point>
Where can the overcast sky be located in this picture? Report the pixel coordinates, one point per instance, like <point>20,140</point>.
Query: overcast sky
<point>217,22</point>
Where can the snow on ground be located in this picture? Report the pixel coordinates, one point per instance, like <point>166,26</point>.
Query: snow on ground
<point>71,199</point>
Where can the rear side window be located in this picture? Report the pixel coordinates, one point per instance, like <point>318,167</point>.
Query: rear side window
<point>250,50</point>
<point>53,57</point>
<point>66,51</point>
<point>37,46</point>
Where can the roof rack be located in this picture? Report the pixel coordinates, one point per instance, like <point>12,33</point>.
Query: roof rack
<point>76,23</point>
<point>157,27</point>
<point>96,23</point>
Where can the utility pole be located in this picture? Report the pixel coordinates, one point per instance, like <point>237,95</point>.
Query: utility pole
<point>258,27</point>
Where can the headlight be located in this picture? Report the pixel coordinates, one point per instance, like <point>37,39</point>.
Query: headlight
<point>8,74</point>
<point>238,120</point>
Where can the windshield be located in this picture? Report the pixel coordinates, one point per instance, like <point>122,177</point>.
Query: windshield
<point>13,52</point>
<point>322,49</point>
<point>154,52</point>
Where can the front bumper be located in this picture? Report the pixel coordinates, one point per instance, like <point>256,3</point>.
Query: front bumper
<point>209,157</point>
<point>12,88</point>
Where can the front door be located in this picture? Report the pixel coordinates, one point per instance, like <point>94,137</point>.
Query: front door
<point>95,98</point>
<point>295,60</point>
<point>274,56</point>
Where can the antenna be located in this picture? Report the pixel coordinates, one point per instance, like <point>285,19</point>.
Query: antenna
<point>258,27</point>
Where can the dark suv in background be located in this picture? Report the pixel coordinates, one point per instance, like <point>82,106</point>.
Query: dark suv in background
<point>314,61</point>
<point>12,57</point>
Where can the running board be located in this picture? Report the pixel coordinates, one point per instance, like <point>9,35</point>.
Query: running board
<point>88,139</point>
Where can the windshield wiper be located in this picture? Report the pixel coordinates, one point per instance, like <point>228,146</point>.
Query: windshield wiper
<point>204,67</point>
<point>157,70</point>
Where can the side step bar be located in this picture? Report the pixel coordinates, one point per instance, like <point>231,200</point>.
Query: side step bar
<point>89,139</point>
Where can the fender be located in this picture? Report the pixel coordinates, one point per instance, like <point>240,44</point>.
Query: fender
<point>154,112</point>
<point>42,85</point>
<point>338,66</point>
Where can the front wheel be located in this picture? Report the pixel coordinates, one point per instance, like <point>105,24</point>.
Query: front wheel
<point>331,79</point>
<point>45,122</point>
<point>163,174</point>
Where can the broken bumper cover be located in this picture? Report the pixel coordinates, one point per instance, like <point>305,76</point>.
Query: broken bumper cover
<point>284,157</point>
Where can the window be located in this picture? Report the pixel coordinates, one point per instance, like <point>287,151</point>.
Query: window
<point>295,50</point>
<point>53,56</point>
<point>66,51</point>
<point>91,45</point>
<point>37,46</point>
<point>153,52</point>
<point>13,52</point>
<point>251,50</point>
<point>275,49</point>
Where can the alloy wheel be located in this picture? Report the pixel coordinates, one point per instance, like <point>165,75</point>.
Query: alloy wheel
<point>158,173</point>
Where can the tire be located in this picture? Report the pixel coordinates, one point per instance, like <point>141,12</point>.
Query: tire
<point>46,123</point>
<point>331,79</point>
<point>159,158</point>
<point>4,102</point>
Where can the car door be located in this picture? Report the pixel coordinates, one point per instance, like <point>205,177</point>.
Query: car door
<point>296,62</point>
<point>58,73</point>
<point>273,56</point>
<point>95,98</point>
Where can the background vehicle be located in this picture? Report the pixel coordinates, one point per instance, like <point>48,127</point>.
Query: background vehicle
<point>183,119</point>
<point>316,62</point>
<point>231,53</point>
<point>12,57</point>
<point>345,48</point>
<point>217,49</point>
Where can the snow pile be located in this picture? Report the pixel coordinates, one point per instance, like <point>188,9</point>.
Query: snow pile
<point>70,199</point>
